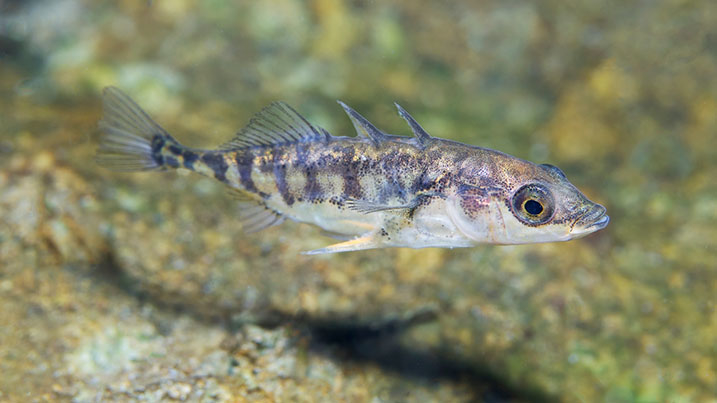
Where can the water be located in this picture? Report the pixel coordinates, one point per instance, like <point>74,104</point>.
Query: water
<point>142,285</point>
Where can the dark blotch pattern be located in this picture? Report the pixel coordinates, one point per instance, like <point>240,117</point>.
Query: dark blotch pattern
<point>171,161</point>
<point>280,166</point>
<point>175,149</point>
<point>244,159</point>
<point>189,158</point>
<point>217,164</point>
<point>350,172</point>
<point>312,188</point>
<point>157,144</point>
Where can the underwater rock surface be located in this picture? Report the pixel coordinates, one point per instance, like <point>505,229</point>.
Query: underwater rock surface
<point>142,287</point>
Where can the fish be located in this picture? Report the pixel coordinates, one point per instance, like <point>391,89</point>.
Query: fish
<point>372,190</point>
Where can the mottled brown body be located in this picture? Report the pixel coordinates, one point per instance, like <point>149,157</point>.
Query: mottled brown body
<point>391,190</point>
<point>326,175</point>
<point>331,172</point>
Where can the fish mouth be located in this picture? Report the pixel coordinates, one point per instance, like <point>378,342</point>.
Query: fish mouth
<point>600,223</point>
<point>592,220</point>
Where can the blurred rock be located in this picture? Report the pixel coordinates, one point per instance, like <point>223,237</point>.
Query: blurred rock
<point>115,288</point>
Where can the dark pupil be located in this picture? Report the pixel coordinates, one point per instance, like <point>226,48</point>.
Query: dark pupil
<point>533,207</point>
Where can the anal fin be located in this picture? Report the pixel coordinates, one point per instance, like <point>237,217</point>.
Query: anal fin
<point>254,214</point>
<point>336,235</point>
<point>259,220</point>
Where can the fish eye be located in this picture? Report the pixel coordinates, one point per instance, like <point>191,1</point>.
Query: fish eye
<point>533,204</point>
<point>533,207</point>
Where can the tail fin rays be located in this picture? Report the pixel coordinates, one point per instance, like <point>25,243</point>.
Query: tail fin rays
<point>128,134</point>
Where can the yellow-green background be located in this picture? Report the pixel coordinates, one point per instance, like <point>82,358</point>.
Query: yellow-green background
<point>141,286</point>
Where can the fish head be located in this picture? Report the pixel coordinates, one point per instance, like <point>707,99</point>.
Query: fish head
<point>512,201</point>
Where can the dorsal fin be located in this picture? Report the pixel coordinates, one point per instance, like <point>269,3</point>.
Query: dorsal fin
<point>363,127</point>
<point>275,124</point>
<point>423,137</point>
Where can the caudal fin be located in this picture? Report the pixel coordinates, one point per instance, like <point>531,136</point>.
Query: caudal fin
<point>130,138</point>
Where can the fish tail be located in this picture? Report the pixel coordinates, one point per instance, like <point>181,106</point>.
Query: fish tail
<point>131,140</point>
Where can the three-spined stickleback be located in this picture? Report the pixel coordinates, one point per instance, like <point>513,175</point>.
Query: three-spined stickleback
<point>374,190</point>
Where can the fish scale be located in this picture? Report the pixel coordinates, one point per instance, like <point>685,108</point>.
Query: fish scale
<point>383,190</point>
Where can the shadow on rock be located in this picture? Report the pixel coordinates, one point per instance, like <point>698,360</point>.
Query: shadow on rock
<point>344,339</point>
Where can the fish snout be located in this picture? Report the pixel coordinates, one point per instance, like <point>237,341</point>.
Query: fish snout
<point>594,219</point>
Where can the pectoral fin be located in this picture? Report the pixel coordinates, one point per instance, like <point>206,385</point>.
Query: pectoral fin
<point>368,241</point>
<point>367,207</point>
